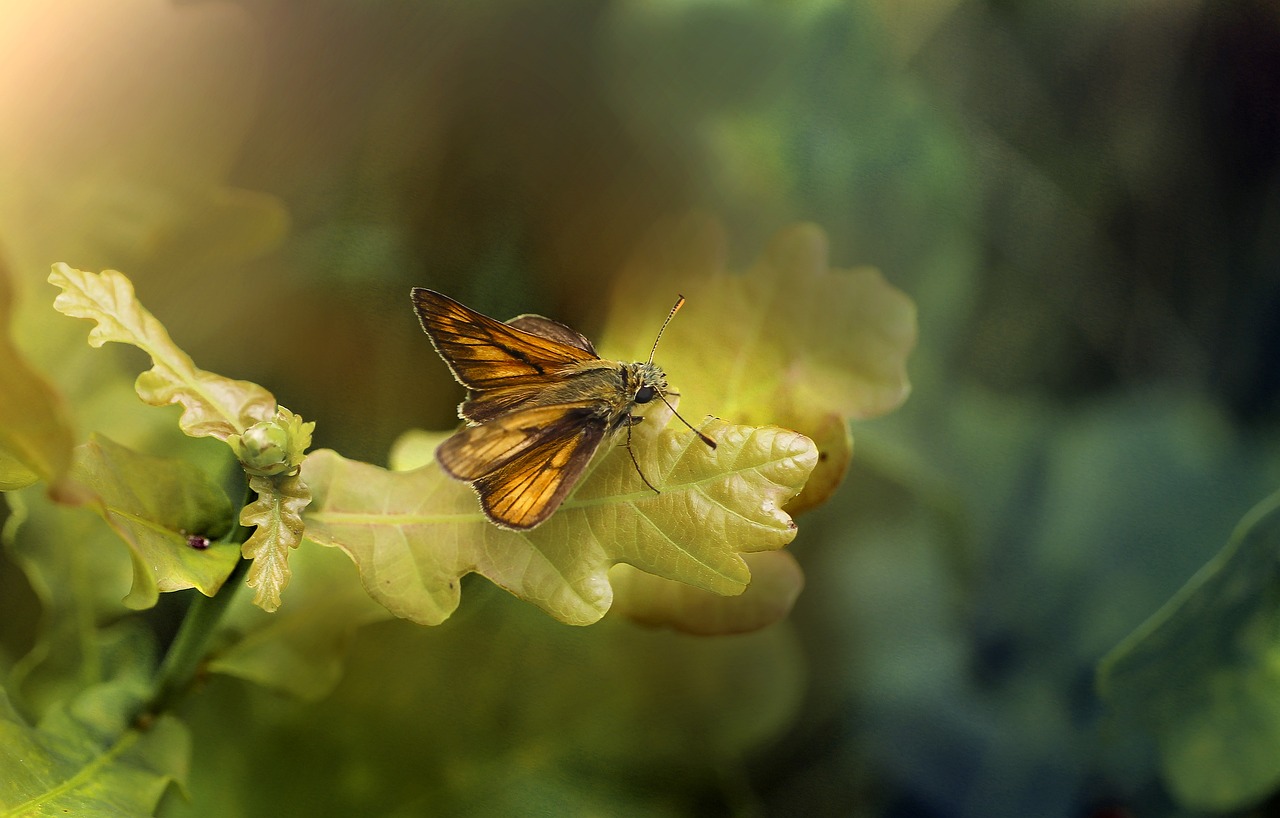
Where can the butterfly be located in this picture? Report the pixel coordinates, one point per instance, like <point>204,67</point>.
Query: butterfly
<point>539,404</point>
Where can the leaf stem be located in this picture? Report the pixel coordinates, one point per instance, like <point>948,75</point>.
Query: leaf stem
<point>190,646</point>
<point>192,642</point>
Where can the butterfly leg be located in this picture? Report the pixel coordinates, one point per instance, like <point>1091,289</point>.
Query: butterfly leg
<point>632,420</point>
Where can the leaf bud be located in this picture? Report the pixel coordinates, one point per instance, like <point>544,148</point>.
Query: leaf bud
<point>272,447</point>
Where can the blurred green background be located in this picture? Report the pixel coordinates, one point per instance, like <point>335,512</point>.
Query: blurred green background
<point>1083,199</point>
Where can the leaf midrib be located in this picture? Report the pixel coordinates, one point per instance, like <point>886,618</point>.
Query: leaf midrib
<point>82,775</point>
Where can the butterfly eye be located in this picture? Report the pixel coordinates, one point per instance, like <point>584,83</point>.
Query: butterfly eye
<point>644,394</point>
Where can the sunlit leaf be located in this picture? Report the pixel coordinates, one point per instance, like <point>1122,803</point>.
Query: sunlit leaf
<point>154,503</point>
<point>790,342</point>
<point>776,579</point>
<point>414,449</point>
<point>831,434</point>
<point>212,405</point>
<point>271,453</point>
<point>415,534</point>
<point>277,513</point>
<point>1202,673</point>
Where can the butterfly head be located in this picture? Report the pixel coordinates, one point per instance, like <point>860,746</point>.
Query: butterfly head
<point>650,382</point>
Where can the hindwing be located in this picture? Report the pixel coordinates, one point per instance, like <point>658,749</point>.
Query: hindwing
<point>525,463</point>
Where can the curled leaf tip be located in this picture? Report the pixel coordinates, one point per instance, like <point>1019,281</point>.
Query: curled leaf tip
<point>212,405</point>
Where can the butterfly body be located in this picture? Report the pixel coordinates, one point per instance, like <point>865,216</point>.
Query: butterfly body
<point>540,403</point>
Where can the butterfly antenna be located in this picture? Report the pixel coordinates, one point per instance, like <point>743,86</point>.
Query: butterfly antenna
<point>670,315</point>
<point>705,439</point>
<point>675,308</point>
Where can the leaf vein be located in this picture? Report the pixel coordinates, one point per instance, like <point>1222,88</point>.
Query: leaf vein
<point>84,773</point>
<point>675,544</point>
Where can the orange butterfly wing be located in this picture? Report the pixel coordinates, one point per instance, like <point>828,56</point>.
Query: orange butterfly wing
<point>524,464</point>
<point>486,354</point>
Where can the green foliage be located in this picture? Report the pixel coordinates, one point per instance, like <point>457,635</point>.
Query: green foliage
<point>87,756</point>
<point>154,504</point>
<point>776,582</point>
<point>79,574</point>
<point>413,534</point>
<point>442,167</point>
<point>272,458</point>
<point>776,353</point>
<point>272,452</point>
<point>1091,246</point>
<point>269,439</point>
<point>1065,532</point>
<point>86,683</point>
<point>1202,673</point>
<point>712,504</point>
<point>278,520</point>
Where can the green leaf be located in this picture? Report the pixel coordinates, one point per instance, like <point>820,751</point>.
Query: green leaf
<point>1202,673</point>
<point>35,431</point>
<point>277,513</point>
<point>88,757</point>
<point>212,405</point>
<point>79,573</point>
<point>300,649</point>
<point>789,342</point>
<point>415,534</point>
<point>154,503</point>
<point>269,440</point>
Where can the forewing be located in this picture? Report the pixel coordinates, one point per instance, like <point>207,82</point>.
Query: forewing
<point>487,354</point>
